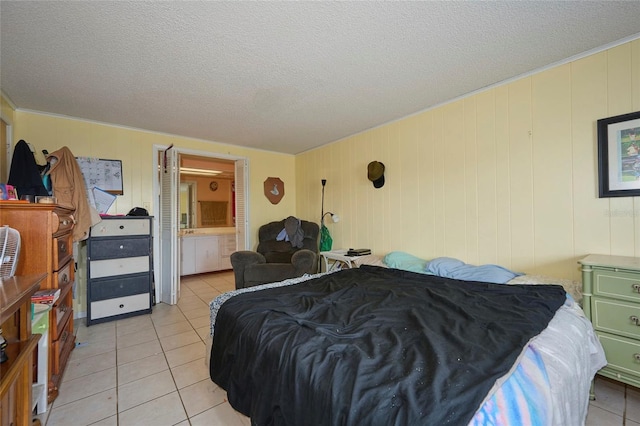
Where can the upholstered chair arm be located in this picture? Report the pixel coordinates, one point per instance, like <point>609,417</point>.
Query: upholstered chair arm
<point>305,262</point>
<point>240,260</point>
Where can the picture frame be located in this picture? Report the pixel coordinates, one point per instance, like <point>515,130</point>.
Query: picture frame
<point>619,156</point>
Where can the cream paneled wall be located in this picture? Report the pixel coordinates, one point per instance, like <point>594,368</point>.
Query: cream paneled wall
<point>135,149</point>
<point>506,176</point>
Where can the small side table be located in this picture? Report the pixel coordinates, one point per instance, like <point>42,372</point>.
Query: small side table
<point>337,259</point>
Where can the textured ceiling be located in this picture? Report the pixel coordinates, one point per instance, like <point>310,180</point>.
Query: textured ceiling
<point>282,76</point>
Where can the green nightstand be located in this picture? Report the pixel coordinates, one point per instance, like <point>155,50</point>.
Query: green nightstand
<point>611,291</point>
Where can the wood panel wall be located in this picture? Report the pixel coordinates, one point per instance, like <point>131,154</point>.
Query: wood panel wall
<point>506,176</point>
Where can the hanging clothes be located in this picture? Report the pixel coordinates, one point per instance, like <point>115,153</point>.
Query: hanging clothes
<point>69,189</point>
<point>24,174</point>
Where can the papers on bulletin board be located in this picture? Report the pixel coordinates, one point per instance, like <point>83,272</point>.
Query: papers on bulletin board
<point>101,200</point>
<point>102,173</point>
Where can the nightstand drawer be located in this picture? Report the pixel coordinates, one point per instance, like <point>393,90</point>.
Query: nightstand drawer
<point>616,317</point>
<point>119,286</point>
<point>121,305</point>
<point>121,227</point>
<point>622,354</point>
<point>112,267</point>
<point>108,248</point>
<point>617,284</point>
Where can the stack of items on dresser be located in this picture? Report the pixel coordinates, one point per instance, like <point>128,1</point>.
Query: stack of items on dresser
<point>48,296</point>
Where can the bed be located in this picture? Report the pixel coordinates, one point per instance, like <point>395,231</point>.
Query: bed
<point>382,346</point>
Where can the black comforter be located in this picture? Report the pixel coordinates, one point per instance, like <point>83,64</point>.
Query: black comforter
<point>373,346</point>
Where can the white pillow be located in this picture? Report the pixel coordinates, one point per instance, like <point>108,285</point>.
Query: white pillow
<point>370,259</point>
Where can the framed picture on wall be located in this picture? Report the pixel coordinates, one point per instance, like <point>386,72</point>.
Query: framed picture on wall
<point>619,156</point>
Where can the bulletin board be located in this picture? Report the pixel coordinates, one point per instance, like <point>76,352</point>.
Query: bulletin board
<point>101,173</point>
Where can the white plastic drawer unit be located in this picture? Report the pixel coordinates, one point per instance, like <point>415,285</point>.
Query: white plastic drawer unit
<point>118,227</point>
<point>119,268</point>
<point>120,306</point>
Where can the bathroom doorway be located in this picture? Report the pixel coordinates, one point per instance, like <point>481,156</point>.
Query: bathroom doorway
<point>209,213</point>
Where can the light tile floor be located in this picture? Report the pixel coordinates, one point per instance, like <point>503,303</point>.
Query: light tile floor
<point>147,369</point>
<point>615,404</point>
<point>150,370</point>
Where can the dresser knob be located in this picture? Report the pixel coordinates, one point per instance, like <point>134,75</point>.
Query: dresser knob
<point>121,247</point>
<point>636,288</point>
<point>122,306</point>
<point>634,319</point>
<point>636,357</point>
<point>121,226</point>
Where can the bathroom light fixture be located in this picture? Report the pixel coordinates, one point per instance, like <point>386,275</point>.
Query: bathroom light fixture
<point>199,172</point>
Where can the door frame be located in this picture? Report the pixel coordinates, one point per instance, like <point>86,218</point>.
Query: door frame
<point>156,167</point>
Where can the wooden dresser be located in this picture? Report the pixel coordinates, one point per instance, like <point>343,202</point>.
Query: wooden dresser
<point>16,374</point>
<point>119,268</point>
<point>47,247</point>
<point>611,299</point>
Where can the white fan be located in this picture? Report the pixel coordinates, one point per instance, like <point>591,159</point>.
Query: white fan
<point>10,244</point>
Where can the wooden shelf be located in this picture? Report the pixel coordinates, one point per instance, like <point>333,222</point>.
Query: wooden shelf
<point>18,353</point>
<point>15,291</point>
<point>16,374</point>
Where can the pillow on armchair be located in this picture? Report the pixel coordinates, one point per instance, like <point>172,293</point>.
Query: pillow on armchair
<point>276,260</point>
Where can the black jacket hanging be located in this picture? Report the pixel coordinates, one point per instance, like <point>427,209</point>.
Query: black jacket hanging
<point>24,174</point>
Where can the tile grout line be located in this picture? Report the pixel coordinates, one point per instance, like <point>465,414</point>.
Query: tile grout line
<point>117,378</point>
<point>171,371</point>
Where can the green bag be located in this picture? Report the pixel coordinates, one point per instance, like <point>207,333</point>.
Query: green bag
<point>325,239</point>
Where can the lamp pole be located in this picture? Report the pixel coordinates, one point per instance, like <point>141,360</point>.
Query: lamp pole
<point>324,182</point>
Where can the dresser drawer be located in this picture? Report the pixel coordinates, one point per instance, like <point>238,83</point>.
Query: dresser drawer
<point>61,311</point>
<point>617,284</point>
<point>616,317</point>
<point>121,305</point>
<point>107,248</point>
<point>622,354</point>
<point>119,286</point>
<point>63,222</point>
<point>60,349</point>
<point>62,250</point>
<point>64,276</point>
<point>121,227</point>
<point>113,267</point>
<point>227,245</point>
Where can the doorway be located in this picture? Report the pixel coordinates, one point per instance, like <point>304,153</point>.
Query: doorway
<point>5,149</point>
<point>167,207</point>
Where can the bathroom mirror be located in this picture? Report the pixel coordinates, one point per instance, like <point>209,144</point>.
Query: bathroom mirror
<point>206,192</point>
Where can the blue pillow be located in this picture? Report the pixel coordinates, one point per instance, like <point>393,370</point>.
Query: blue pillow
<point>406,262</point>
<point>457,269</point>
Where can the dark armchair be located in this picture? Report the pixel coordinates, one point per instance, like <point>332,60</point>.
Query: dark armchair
<point>277,260</point>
